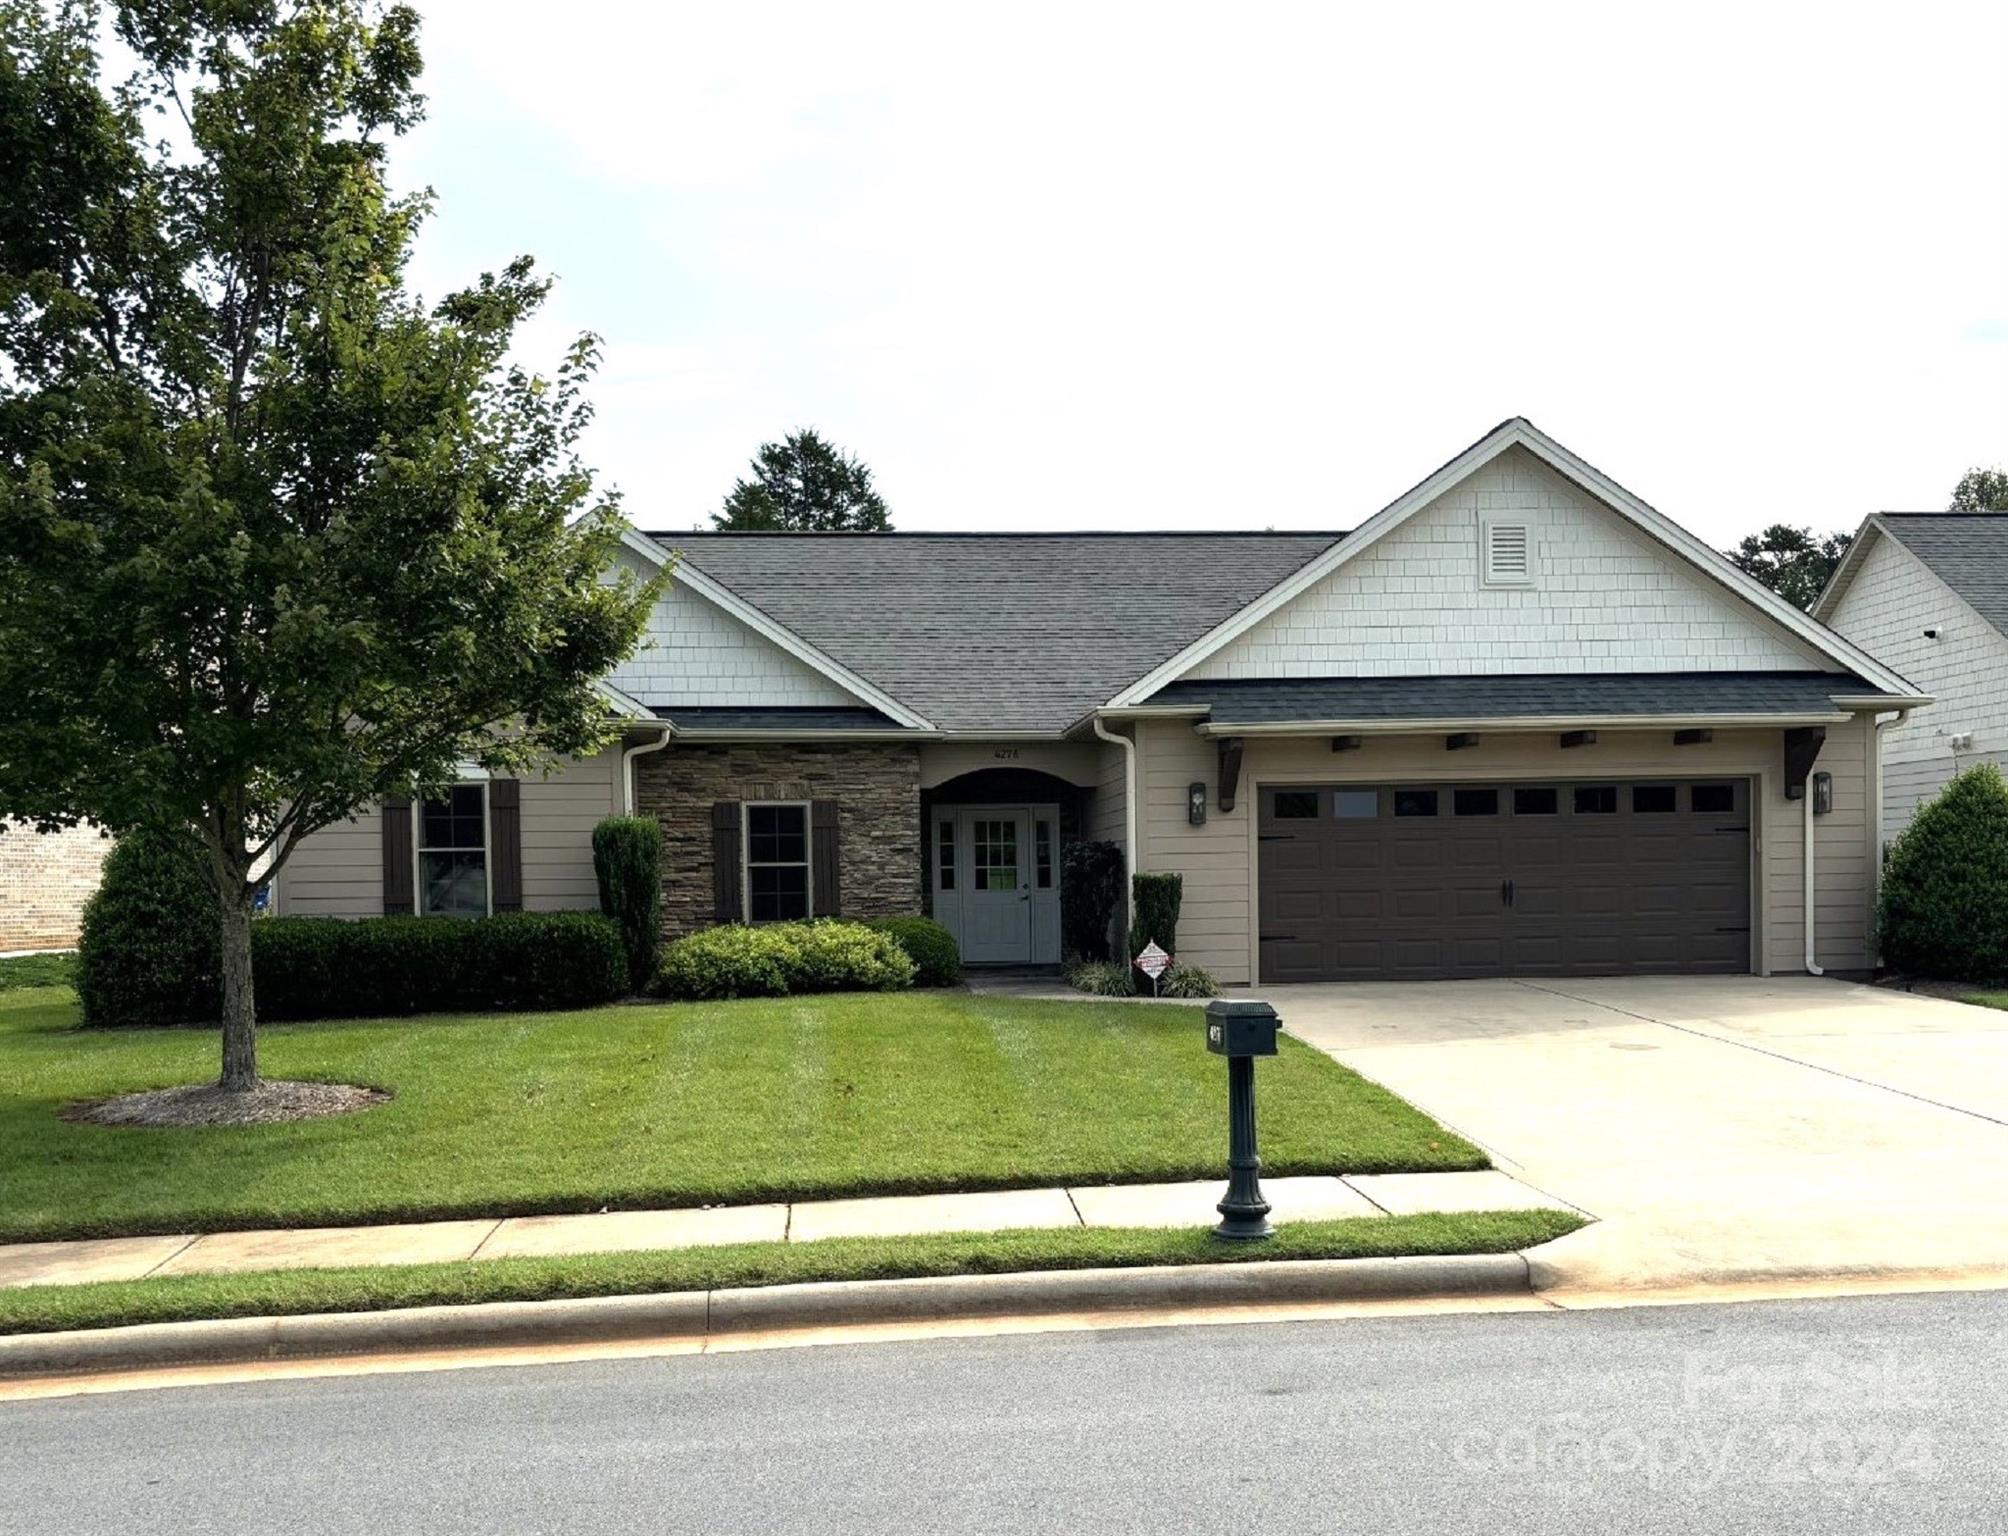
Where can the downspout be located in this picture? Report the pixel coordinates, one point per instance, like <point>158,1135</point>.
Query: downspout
<point>627,766</point>
<point>1129,814</point>
<point>1806,814</point>
<point>1883,723</point>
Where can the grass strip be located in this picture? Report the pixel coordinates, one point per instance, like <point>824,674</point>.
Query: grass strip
<point>58,970</point>
<point>644,1107</point>
<point>180,1298</point>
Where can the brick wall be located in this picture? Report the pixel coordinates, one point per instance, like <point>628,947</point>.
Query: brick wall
<point>45,879</point>
<point>876,787</point>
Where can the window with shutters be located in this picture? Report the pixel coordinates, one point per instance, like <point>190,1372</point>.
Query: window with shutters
<point>453,852</point>
<point>1506,554</point>
<point>777,862</point>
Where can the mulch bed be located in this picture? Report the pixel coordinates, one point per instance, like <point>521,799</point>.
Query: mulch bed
<point>197,1104</point>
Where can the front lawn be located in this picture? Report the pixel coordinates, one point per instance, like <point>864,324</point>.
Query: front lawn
<point>271,1293</point>
<point>694,1104</point>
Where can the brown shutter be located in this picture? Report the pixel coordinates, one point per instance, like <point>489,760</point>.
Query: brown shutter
<point>505,843</point>
<point>726,906</point>
<point>824,862</point>
<point>397,857</point>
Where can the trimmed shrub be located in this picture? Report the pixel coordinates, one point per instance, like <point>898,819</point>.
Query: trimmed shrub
<point>936,960</point>
<point>1155,899</point>
<point>1943,906</point>
<point>627,857</point>
<point>1102,978</point>
<point>777,959</point>
<point>1187,981</point>
<point>326,968</point>
<point>149,951</point>
<point>1091,883</point>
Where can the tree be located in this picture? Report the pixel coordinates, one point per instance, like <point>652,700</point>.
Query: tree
<point>1981,490</point>
<point>277,539</point>
<point>1793,562</point>
<point>805,485</point>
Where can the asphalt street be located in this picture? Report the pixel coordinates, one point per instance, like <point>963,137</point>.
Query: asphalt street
<point>1883,1414</point>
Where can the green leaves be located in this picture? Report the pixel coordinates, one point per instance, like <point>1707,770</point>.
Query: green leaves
<point>1942,906</point>
<point>1793,562</point>
<point>805,485</point>
<point>276,536</point>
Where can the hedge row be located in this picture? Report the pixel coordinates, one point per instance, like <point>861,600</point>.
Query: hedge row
<point>322,968</point>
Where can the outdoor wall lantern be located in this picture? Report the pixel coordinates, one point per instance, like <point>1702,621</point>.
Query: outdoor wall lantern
<point>1195,804</point>
<point>1241,1029</point>
<point>1823,793</point>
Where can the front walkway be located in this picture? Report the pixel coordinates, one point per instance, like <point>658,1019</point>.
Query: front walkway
<point>1721,1128</point>
<point>1121,1205</point>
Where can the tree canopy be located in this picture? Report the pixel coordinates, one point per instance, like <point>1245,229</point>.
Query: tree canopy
<point>278,538</point>
<point>805,485</point>
<point>1793,562</point>
<point>1981,490</point>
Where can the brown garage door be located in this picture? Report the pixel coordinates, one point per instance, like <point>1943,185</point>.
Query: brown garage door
<point>1401,881</point>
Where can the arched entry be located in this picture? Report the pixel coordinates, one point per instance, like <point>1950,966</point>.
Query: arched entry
<point>991,841</point>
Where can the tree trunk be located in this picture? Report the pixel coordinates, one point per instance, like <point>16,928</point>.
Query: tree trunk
<point>240,1018</point>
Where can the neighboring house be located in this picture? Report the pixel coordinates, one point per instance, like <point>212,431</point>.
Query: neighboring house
<point>45,879</point>
<point>1927,592</point>
<point>1516,723</point>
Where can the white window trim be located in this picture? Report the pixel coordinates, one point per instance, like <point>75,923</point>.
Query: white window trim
<point>1486,575</point>
<point>419,850</point>
<point>746,809</point>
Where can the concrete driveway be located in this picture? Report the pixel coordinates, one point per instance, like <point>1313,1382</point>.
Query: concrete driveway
<point>1722,1129</point>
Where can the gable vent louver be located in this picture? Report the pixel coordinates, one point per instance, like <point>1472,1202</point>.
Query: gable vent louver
<point>1508,554</point>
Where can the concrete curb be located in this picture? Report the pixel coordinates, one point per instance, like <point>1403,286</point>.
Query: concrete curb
<point>707,1314</point>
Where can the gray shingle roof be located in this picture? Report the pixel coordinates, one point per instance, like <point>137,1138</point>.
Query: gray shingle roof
<point>999,631</point>
<point>1517,695</point>
<point>1968,551</point>
<point>712,717</point>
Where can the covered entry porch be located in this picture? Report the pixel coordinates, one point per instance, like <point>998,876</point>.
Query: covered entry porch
<point>994,820</point>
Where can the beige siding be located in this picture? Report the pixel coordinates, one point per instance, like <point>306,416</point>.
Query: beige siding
<point>338,871</point>
<point>559,814</point>
<point>694,653</point>
<point>1606,598</point>
<point>1106,813</point>
<point>1887,606</point>
<point>1218,860</point>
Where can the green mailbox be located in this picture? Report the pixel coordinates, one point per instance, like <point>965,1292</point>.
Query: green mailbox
<point>1242,1026</point>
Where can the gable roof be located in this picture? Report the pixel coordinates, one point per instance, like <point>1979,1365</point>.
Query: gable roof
<point>994,631</point>
<point>1519,432</point>
<point>865,691</point>
<point>1968,551</point>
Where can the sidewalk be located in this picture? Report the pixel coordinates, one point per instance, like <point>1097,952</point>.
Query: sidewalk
<point>1123,1205</point>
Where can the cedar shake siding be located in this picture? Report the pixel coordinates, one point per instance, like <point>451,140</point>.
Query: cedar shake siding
<point>875,787</point>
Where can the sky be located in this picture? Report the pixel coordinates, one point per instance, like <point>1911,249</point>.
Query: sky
<point>1178,266</point>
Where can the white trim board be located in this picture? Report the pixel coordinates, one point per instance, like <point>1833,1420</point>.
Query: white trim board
<point>691,579</point>
<point>1519,432</point>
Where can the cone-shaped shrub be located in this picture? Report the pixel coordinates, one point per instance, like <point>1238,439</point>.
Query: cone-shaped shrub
<point>1943,908</point>
<point>627,857</point>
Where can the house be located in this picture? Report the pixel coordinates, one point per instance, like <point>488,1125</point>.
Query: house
<point>1928,593</point>
<point>1515,723</point>
<point>45,879</point>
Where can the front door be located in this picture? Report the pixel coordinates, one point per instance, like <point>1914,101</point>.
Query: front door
<point>997,895</point>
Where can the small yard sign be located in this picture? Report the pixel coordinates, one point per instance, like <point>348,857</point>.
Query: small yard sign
<point>1153,962</point>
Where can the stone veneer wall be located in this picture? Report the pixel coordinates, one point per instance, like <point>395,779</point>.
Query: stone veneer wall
<point>45,879</point>
<point>876,786</point>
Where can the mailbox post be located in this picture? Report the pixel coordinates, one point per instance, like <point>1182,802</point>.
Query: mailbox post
<point>1242,1029</point>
